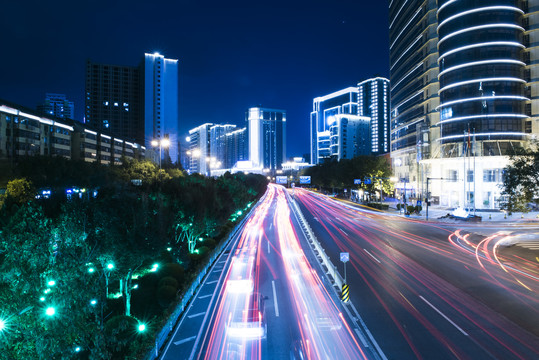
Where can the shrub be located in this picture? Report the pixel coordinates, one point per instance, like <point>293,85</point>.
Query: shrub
<point>168,281</point>
<point>165,295</point>
<point>173,270</point>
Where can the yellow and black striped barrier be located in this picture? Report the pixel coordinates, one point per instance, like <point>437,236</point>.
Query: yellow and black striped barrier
<point>345,293</point>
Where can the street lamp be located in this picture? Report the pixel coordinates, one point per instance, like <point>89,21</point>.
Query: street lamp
<point>161,143</point>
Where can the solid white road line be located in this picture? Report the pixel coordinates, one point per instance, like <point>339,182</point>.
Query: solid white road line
<point>372,256</point>
<point>184,340</point>
<point>275,299</point>
<point>443,315</point>
<point>196,315</point>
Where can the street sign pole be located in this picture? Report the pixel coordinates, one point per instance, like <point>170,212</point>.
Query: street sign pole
<point>345,291</point>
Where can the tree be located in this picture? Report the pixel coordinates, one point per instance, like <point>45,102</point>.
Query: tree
<point>18,192</point>
<point>520,186</point>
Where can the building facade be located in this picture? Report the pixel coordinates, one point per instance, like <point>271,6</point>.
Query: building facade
<point>25,133</point>
<point>199,149</point>
<point>349,136</point>
<point>324,108</point>
<point>463,93</point>
<point>139,103</point>
<point>160,84</point>
<point>114,100</point>
<point>267,137</point>
<point>373,102</point>
<point>218,145</point>
<point>57,105</point>
<point>236,148</point>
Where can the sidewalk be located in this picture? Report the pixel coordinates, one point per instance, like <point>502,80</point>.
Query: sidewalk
<point>436,213</point>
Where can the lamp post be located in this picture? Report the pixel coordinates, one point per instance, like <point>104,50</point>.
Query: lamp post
<point>161,143</point>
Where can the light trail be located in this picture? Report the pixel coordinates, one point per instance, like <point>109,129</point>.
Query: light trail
<point>398,281</point>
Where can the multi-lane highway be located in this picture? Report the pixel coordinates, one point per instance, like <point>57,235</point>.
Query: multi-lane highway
<point>264,299</point>
<point>431,291</point>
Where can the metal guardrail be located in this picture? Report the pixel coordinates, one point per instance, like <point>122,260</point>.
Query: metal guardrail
<point>187,297</point>
<point>332,269</point>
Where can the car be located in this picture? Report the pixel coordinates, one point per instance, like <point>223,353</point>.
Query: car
<point>248,321</point>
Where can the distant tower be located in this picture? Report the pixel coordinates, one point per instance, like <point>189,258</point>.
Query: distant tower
<point>267,137</point>
<point>57,105</point>
<point>161,102</point>
<point>113,100</point>
<point>373,99</point>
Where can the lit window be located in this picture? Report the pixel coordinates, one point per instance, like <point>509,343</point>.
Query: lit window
<point>115,104</point>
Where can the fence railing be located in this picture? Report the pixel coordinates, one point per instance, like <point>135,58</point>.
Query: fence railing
<point>187,297</point>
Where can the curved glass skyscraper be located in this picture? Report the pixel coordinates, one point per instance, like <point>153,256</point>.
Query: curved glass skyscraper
<point>482,76</point>
<point>464,95</point>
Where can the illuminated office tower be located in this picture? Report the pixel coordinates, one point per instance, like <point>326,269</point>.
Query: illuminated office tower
<point>218,145</point>
<point>349,136</point>
<point>236,147</point>
<point>485,89</point>
<point>199,149</point>
<point>325,108</point>
<point>373,102</point>
<point>160,84</point>
<point>267,137</point>
<point>413,55</point>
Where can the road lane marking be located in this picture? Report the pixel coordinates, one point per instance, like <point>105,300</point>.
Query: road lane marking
<point>205,296</point>
<point>184,340</point>
<point>344,232</point>
<point>196,315</point>
<point>372,256</point>
<point>212,282</point>
<point>443,315</point>
<point>275,299</point>
<point>268,247</point>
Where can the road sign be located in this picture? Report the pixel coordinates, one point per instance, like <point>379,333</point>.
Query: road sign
<point>345,296</point>
<point>368,181</point>
<point>304,179</point>
<point>345,257</point>
<point>357,181</point>
<point>293,185</point>
<point>281,180</point>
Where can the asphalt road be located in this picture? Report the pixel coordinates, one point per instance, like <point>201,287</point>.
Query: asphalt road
<point>431,291</point>
<point>301,310</point>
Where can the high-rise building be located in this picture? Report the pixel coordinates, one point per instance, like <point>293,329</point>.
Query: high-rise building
<point>369,99</point>
<point>267,137</point>
<point>349,136</point>
<point>114,100</point>
<point>199,149</point>
<point>236,147</point>
<point>463,95</point>
<point>160,84</point>
<point>413,55</point>
<point>340,102</point>
<point>373,101</point>
<point>57,105</point>
<point>135,102</point>
<point>218,145</point>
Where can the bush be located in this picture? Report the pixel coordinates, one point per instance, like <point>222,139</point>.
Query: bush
<point>168,281</point>
<point>418,208</point>
<point>173,270</point>
<point>165,295</point>
<point>398,206</point>
<point>410,209</point>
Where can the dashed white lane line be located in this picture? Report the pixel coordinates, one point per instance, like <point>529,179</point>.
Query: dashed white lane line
<point>372,256</point>
<point>205,296</point>
<point>443,315</point>
<point>184,340</point>
<point>275,299</point>
<point>196,315</point>
<point>212,282</point>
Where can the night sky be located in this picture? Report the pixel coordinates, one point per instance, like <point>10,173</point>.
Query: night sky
<point>232,54</point>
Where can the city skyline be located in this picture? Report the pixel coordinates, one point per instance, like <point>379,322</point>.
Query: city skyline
<point>284,60</point>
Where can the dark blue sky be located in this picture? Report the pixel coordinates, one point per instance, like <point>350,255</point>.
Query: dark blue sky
<point>232,54</point>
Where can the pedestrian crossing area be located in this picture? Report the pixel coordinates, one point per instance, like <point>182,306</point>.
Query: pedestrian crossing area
<point>531,245</point>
